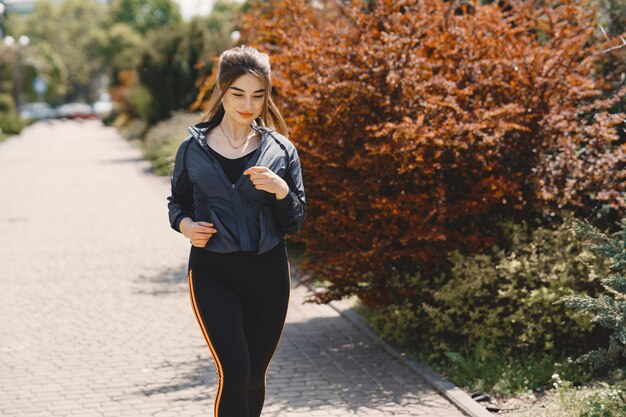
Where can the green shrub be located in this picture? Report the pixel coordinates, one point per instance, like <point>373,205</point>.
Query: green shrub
<point>11,122</point>
<point>505,297</point>
<point>140,102</point>
<point>6,103</point>
<point>162,140</point>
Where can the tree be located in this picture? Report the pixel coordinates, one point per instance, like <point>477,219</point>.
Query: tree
<point>222,21</point>
<point>62,36</point>
<point>144,16</point>
<point>170,65</point>
<point>118,48</point>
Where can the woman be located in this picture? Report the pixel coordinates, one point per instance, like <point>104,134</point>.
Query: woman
<point>236,191</point>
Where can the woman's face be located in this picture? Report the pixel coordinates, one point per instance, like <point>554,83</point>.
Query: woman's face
<point>243,102</point>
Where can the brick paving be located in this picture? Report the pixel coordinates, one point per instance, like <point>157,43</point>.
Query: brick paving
<point>96,318</point>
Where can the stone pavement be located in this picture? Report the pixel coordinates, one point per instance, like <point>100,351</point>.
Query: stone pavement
<point>96,317</point>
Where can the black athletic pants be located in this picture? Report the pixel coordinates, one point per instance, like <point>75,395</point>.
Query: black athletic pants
<point>240,300</point>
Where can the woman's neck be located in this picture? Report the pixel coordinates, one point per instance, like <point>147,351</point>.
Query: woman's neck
<point>236,131</point>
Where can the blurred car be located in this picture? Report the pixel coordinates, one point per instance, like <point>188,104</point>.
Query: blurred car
<point>103,106</point>
<point>75,111</point>
<point>37,111</point>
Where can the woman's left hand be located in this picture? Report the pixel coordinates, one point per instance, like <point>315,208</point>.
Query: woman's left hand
<point>265,179</point>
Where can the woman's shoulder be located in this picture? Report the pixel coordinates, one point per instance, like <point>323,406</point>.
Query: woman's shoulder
<point>281,140</point>
<point>184,142</point>
<point>183,147</point>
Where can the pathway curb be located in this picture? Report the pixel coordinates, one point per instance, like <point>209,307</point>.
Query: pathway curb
<point>454,394</point>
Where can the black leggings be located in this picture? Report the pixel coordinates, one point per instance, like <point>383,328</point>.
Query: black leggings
<point>240,300</point>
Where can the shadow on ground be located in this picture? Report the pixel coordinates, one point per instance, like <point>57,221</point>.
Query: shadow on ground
<point>132,160</point>
<point>145,168</point>
<point>167,282</point>
<point>320,361</point>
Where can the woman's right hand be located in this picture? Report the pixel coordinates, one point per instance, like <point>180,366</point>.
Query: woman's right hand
<point>198,233</point>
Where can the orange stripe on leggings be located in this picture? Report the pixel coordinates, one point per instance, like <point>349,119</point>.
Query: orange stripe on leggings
<point>218,365</point>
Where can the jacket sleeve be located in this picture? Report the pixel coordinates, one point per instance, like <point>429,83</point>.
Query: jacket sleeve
<point>291,210</point>
<point>180,201</point>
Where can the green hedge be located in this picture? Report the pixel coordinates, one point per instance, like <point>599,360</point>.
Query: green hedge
<point>6,103</point>
<point>505,298</point>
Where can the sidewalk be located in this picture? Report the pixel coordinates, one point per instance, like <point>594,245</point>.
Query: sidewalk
<point>96,315</point>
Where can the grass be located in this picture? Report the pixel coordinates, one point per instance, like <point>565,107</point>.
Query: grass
<point>479,370</point>
<point>604,398</point>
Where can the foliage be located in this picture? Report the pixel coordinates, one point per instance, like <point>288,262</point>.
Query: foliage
<point>505,297</point>
<point>40,57</point>
<point>612,17</point>
<point>80,47</point>
<point>611,403</point>
<point>140,102</point>
<point>222,21</point>
<point>61,37</point>
<point>607,401</point>
<point>486,371</point>
<point>170,65</point>
<point>10,121</point>
<point>6,70</point>
<point>6,103</point>
<point>567,399</point>
<point>609,308</point>
<point>420,126</point>
<point>123,94</point>
<point>587,171</point>
<point>157,73</point>
<point>163,139</point>
<point>118,46</point>
<point>145,15</point>
<point>53,70</point>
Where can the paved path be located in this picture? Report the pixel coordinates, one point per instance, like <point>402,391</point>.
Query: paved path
<point>96,318</point>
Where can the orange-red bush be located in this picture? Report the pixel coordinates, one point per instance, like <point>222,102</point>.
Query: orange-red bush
<point>419,124</point>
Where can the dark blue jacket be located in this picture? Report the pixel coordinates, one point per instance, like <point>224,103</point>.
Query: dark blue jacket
<point>246,219</point>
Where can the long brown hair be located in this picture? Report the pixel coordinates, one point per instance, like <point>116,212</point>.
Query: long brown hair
<point>234,63</point>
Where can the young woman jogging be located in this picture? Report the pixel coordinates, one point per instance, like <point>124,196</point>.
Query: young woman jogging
<point>236,191</point>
